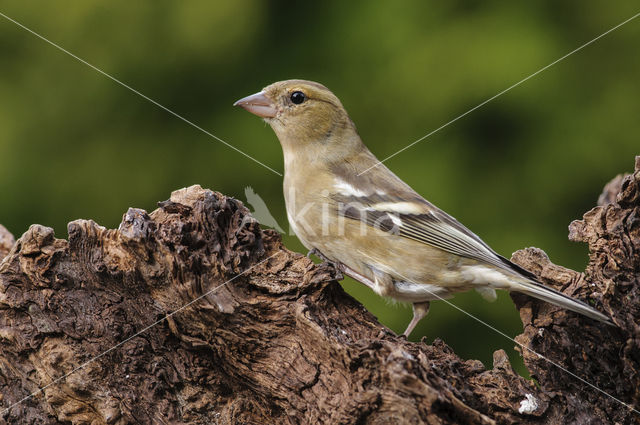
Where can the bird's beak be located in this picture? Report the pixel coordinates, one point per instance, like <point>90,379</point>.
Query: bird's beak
<point>258,104</point>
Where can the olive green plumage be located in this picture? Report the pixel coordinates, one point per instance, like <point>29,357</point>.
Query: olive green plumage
<point>352,210</point>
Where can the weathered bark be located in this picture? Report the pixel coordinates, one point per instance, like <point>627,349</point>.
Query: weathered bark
<point>272,338</point>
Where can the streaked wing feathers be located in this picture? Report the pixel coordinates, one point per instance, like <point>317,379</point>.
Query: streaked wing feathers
<point>433,227</point>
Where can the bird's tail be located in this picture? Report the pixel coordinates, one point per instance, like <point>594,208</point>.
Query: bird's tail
<point>537,290</point>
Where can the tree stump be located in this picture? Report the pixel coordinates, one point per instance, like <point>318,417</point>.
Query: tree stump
<point>193,314</point>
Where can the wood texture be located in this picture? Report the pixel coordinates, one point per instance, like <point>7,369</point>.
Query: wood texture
<point>272,338</point>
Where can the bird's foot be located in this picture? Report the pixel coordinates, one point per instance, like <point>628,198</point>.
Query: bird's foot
<point>318,254</point>
<point>338,267</point>
<point>342,270</point>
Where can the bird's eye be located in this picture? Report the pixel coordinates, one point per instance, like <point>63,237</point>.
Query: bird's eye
<point>298,97</point>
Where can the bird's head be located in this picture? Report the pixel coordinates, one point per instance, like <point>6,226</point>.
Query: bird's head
<point>304,115</point>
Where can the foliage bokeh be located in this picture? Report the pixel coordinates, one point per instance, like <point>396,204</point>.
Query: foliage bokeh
<point>75,144</point>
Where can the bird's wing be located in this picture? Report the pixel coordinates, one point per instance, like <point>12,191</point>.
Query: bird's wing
<point>423,222</point>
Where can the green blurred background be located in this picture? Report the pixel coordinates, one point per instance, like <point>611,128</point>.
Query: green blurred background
<point>74,144</point>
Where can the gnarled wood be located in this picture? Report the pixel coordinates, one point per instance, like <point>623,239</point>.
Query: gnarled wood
<point>258,334</point>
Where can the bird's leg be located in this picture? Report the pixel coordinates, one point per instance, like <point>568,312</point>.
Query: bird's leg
<point>419,311</point>
<point>340,268</point>
<point>357,276</point>
<point>344,269</point>
<point>317,253</point>
<point>321,256</point>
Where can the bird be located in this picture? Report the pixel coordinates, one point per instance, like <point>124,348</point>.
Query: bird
<point>349,209</point>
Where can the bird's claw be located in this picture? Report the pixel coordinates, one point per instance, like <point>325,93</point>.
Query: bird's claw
<point>336,265</point>
<point>339,270</point>
<point>318,254</point>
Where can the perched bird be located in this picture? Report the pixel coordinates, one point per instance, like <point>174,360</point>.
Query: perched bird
<point>348,208</point>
